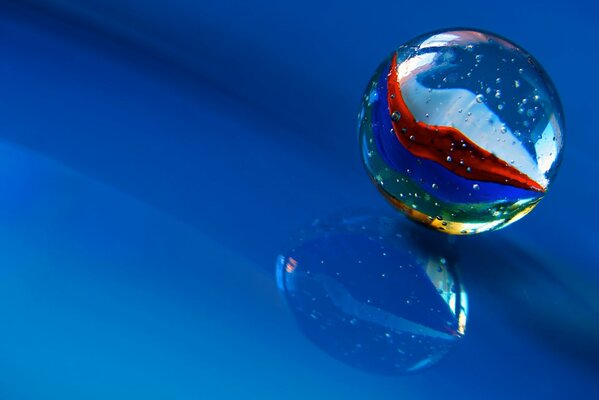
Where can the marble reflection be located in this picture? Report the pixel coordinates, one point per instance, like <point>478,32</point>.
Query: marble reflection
<point>374,293</point>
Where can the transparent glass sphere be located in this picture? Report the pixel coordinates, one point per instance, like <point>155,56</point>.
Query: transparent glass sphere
<point>461,130</point>
<point>374,293</point>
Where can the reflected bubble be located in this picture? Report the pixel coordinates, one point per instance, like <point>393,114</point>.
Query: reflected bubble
<point>374,293</point>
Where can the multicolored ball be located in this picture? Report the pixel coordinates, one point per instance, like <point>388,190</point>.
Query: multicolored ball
<point>461,130</point>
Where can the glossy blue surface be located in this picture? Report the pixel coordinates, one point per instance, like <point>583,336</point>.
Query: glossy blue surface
<point>155,157</point>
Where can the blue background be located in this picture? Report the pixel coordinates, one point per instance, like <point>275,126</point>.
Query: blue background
<point>155,156</point>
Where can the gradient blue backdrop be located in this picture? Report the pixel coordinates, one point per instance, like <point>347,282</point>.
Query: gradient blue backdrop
<point>155,156</point>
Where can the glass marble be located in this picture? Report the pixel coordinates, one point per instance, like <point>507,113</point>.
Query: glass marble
<point>374,294</point>
<point>461,130</point>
